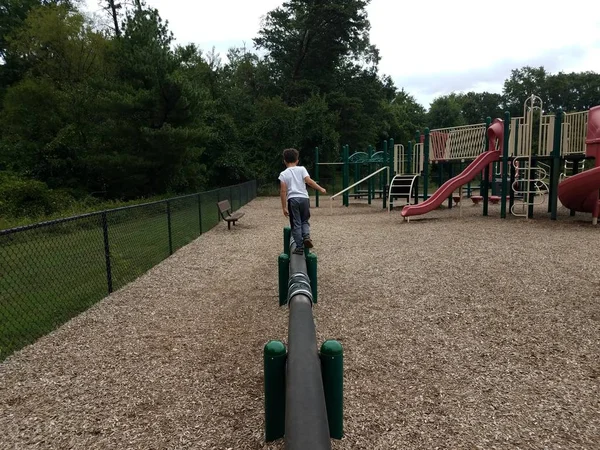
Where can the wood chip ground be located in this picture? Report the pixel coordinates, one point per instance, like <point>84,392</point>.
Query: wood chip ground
<point>459,333</point>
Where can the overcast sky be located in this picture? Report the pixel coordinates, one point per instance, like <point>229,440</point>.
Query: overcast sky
<point>429,47</point>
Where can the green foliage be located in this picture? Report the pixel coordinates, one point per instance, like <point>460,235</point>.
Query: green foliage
<point>123,113</point>
<point>20,197</point>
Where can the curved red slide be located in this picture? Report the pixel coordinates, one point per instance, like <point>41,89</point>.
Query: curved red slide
<point>580,192</point>
<point>446,189</point>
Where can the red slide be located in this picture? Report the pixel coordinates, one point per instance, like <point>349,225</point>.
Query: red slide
<point>446,189</point>
<point>580,192</point>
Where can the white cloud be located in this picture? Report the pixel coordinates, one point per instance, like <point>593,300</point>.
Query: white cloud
<point>450,40</point>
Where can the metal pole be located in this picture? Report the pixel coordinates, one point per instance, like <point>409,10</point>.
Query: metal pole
<point>107,253</point>
<point>486,174</point>
<point>169,227</point>
<point>426,164</point>
<point>555,165</point>
<point>505,164</point>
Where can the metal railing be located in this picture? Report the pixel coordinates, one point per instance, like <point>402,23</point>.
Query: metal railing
<point>52,271</point>
<point>357,183</point>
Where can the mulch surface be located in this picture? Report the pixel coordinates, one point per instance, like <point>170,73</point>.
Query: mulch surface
<point>459,333</point>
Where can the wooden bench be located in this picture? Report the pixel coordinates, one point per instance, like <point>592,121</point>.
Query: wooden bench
<point>225,211</point>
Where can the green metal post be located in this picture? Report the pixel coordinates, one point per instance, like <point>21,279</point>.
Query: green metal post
<point>370,180</point>
<point>274,357</point>
<point>450,175</point>
<point>317,175</point>
<point>356,178</point>
<point>284,276</point>
<point>408,166</point>
<point>332,370</point>
<point>346,177</point>
<point>391,152</point>
<point>419,171</point>
<point>311,271</point>
<point>287,235</point>
<point>486,174</point>
<point>505,164</point>
<point>384,177</point>
<point>426,165</point>
<point>555,175</point>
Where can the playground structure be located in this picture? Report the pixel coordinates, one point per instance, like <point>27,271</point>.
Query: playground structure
<point>371,186</point>
<point>524,161</point>
<point>535,147</point>
<point>303,388</point>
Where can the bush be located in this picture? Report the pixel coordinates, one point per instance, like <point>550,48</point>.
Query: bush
<point>23,197</point>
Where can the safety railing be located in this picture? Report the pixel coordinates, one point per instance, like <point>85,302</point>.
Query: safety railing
<point>463,142</point>
<point>573,130</point>
<point>357,183</point>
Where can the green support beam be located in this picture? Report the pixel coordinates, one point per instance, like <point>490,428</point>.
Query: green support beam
<point>485,185</point>
<point>426,164</point>
<point>555,174</point>
<point>505,164</point>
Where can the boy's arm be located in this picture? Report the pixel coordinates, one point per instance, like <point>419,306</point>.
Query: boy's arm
<point>308,180</point>
<point>283,196</point>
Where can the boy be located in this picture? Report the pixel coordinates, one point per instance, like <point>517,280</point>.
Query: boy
<point>294,198</point>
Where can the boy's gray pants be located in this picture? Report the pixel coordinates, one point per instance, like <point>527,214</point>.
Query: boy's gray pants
<point>299,211</point>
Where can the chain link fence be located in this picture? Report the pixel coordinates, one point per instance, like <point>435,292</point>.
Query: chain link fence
<point>52,271</point>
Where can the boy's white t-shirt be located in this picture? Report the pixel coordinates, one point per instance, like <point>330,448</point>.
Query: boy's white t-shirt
<point>293,177</point>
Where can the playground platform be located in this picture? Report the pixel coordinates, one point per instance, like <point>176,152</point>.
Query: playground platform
<point>458,332</point>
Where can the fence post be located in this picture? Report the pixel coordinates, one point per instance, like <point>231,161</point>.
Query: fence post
<point>200,212</point>
<point>169,227</point>
<point>107,253</point>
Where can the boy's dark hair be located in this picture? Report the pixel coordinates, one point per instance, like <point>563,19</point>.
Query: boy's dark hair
<point>290,155</point>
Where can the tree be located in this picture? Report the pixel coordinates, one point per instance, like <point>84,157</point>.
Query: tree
<point>446,111</point>
<point>521,84</point>
<point>307,41</point>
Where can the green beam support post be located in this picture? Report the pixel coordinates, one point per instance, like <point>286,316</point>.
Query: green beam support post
<point>370,184</point>
<point>346,176</point>
<point>419,169</point>
<point>555,175</point>
<point>426,164</point>
<point>384,177</point>
<point>284,276</point>
<point>317,175</point>
<point>450,175</point>
<point>355,179</point>
<point>392,171</point>
<point>408,165</point>
<point>505,164</point>
<point>486,174</point>
<point>287,235</point>
<point>332,370</point>
<point>311,271</point>
<point>274,357</point>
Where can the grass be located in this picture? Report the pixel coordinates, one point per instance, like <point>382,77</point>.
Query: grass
<point>52,273</point>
